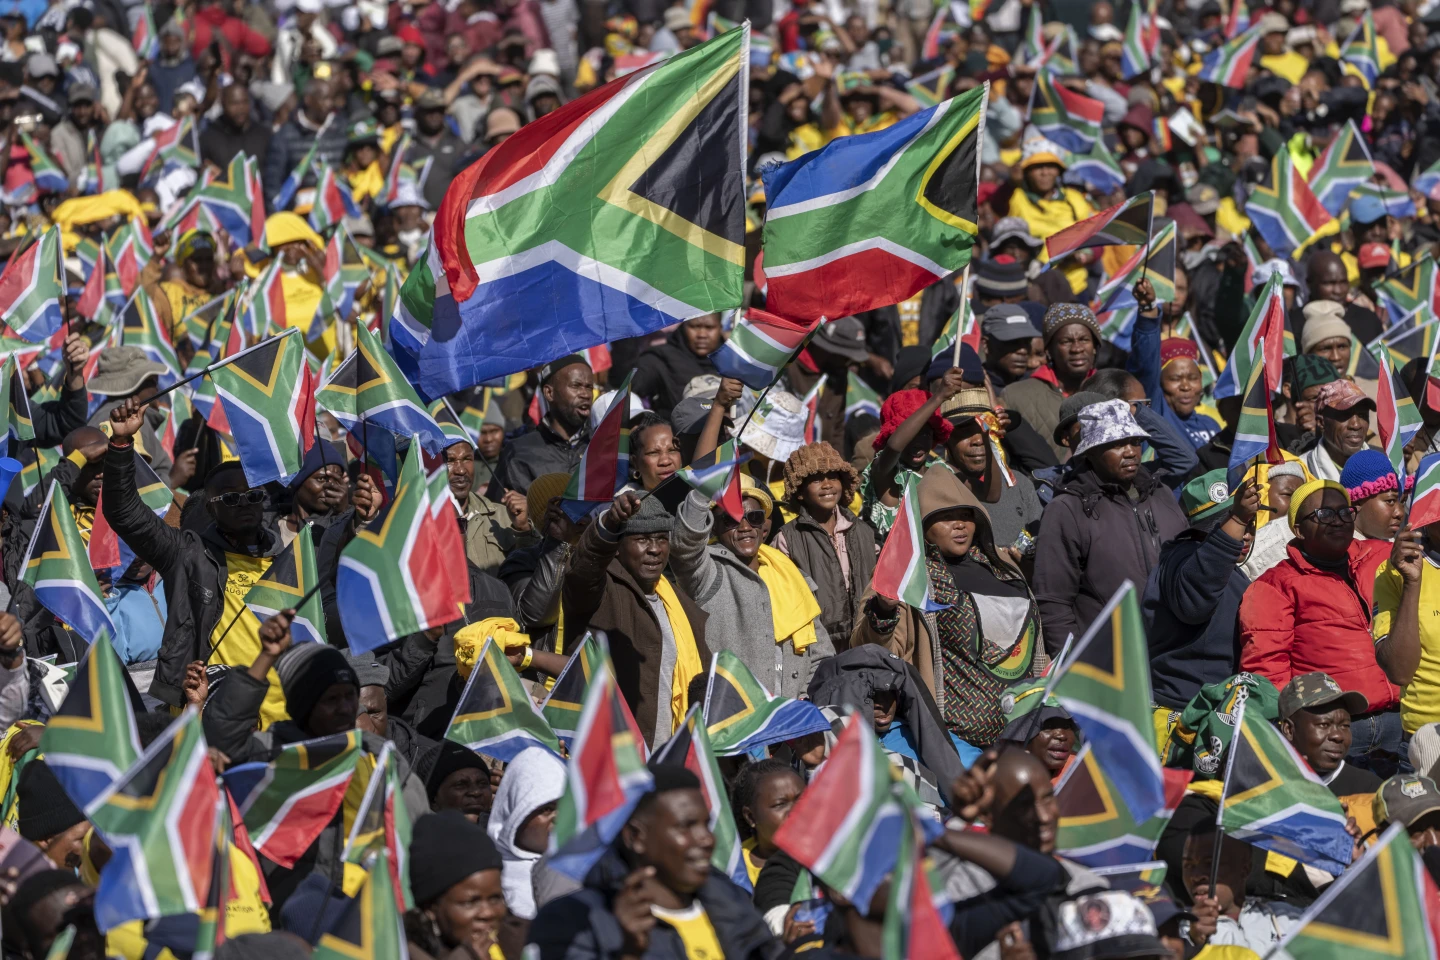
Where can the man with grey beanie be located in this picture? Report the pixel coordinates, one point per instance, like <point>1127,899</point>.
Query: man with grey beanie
<point>616,583</point>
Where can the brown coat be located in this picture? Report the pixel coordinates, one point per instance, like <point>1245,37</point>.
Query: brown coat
<point>599,593</point>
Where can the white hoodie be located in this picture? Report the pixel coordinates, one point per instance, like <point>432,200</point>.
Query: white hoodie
<point>534,778</point>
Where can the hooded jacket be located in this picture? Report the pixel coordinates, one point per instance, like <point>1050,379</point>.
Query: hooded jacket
<point>534,778</point>
<point>1093,537</point>
<point>913,634</point>
<point>582,926</point>
<point>662,372</point>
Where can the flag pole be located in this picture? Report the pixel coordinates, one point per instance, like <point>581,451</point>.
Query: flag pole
<point>1225,786</point>
<point>1149,232</point>
<point>964,305</point>
<point>235,619</point>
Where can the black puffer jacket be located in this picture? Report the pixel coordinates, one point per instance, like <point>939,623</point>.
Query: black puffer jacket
<point>1093,537</point>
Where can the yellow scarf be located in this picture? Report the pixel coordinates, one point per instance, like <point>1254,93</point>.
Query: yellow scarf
<point>793,607</point>
<point>687,655</point>
<point>471,639</point>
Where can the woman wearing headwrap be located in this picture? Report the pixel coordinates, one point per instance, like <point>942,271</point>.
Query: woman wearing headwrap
<point>988,633</point>
<point>1181,387</point>
<point>460,907</point>
<point>521,819</point>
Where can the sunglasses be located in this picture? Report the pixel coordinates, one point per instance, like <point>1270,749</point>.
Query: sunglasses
<point>1329,515</point>
<point>756,519</point>
<point>233,499</point>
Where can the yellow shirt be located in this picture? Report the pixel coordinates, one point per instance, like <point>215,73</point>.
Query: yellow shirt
<point>695,930</point>
<point>752,869</point>
<point>1420,699</point>
<point>1289,65</point>
<point>242,644</point>
<point>246,913</point>
<point>1048,216</point>
<point>302,299</point>
<point>183,299</point>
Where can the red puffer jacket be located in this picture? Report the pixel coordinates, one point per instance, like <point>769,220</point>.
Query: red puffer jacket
<point>1297,618</point>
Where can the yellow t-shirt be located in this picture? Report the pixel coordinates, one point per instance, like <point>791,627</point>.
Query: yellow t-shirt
<point>910,320</point>
<point>302,299</point>
<point>183,299</point>
<point>242,644</point>
<point>1046,216</point>
<point>366,183</point>
<point>695,930</point>
<point>244,914</point>
<point>1420,699</point>
<point>752,869</point>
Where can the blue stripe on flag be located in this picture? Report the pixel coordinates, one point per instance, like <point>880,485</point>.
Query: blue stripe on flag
<point>525,320</point>
<point>1302,833</point>
<point>1112,853</point>
<point>118,899</point>
<point>73,603</point>
<point>362,600</point>
<point>1131,762</point>
<point>252,436</point>
<point>842,164</point>
<point>794,719</point>
<point>730,362</point>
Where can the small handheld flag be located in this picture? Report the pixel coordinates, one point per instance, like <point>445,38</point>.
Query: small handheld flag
<point>900,571</point>
<point>741,715</point>
<point>495,715</point>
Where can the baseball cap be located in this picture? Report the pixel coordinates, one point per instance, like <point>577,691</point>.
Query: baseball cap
<point>431,99</point>
<point>1405,798</point>
<point>1273,23</point>
<point>1374,255</point>
<point>1316,689</point>
<point>677,18</point>
<point>1203,198</point>
<point>1340,395</point>
<point>844,337</point>
<point>1007,322</point>
<point>42,65</point>
<point>82,93</point>
<point>1070,409</point>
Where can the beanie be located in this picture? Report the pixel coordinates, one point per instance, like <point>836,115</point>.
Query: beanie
<point>542,489</point>
<point>652,517</point>
<point>1061,315</point>
<point>436,763</point>
<point>445,848</point>
<point>1368,472</point>
<point>306,671</point>
<point>1297,499</point>
<point>1425,749</point>
<point>45,807</point>
<point>369,672</point>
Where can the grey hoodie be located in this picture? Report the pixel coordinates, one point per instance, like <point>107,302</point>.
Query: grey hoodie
<point>534,778</point>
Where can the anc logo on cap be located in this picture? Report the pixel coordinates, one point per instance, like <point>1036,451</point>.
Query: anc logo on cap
<point>1218,491</point>
<point>1412,788</point>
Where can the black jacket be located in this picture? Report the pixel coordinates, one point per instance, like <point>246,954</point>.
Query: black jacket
<point>192,566</point>
<point>582,926</point>
<point>290,144</point>
<point>220,141</point>
<point>538,452</point>
<point>1191,603</point>
<point>662,372</point>
<point>1093,537</point>
<point>810,547</point>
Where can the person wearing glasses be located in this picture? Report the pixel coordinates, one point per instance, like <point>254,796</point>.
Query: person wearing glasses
<point>206,574</point>
<point>754,595</point>
<point>1311,612</point>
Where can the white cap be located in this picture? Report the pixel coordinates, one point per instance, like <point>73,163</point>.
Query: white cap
<point>545,61</point>
<point>406,195</point>
<point>309,6</point>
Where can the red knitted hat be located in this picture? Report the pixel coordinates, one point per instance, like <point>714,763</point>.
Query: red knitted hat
<point>898,406</point>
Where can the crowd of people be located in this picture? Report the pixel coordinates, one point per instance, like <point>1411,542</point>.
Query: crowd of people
<point>1052,456</point>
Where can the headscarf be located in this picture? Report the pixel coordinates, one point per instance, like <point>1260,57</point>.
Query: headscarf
<point>534,778</point>
<point>1204,728</point>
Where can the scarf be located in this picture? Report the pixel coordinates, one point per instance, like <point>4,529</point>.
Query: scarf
<point>793,607</point>
<point>687,655</point>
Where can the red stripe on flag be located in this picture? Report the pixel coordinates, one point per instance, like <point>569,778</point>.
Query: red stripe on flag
<point>862,281</point>
<point>195,823</point>
<point>1078,105</point>
<point>104,541</point>
<point>1304,202</point>
<point>303,822</point>
<point>303,408</point>
<point>816,819</point>
<point>94,293</point>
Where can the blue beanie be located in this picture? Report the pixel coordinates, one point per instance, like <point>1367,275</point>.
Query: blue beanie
<point>1368,472</point>
<point>970,367</point>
